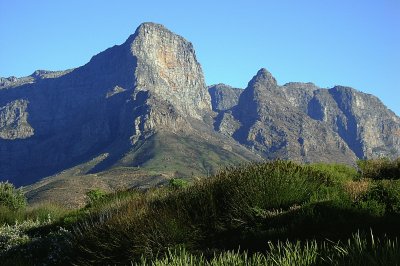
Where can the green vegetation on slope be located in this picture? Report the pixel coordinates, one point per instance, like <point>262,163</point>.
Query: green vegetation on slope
<point>10,197</point>
<point>180,156</point>
<point>275,213</point>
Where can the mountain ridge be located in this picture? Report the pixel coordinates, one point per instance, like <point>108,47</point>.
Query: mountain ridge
<point>143,106</point>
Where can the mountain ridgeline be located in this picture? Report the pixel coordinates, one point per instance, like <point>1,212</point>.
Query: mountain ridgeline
<point>303,122</point>
<point>143,107</point>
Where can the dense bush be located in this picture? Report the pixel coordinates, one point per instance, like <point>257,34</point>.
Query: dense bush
<point>20,245</point>
<point>94,196</point>
<point>379,169</point>
<point>177,183</point>
<point>381,198</point>
<point>213,212</point>
<point>11,197</point>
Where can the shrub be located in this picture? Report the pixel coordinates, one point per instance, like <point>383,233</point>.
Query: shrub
<point>246,207</point>
<point>177,183</point>
<point>379,169</point>
<point>267,186</point>
<point>20,246</point>
<point>43,211</point>
<point>95,196</point>
<point>11,197</point>
<point>356,189</point>
<point>383,197</point>
<point>337,172</point>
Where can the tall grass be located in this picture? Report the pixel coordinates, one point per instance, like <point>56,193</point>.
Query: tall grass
<point>358,250</point>
<point>40,212</point>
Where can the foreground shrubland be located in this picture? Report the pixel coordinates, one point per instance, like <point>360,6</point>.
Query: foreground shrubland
<point>275,213</point>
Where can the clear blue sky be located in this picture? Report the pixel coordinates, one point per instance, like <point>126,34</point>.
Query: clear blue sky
<point>337,42</point>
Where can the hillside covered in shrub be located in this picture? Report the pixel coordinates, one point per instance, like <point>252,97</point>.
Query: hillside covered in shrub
<point>272,213</point>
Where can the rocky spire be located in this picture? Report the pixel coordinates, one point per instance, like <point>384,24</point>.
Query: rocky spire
<point>167,67</point>
<point>263,80</point>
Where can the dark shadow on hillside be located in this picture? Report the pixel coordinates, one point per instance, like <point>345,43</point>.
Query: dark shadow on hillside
<point>73,117</point>
<point>319,221</point>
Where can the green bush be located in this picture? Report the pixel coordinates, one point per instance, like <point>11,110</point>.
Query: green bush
<point>177,183</point>
<point>379,169</point>
<point>381,198</point>
<point>212,212</point>
<point>11,197</point>
<point>336,172</point>
<point>95,196</point>
<point>267,186</point>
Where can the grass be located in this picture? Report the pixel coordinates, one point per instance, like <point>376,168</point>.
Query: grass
<point>40,212</point>
<point>275,213</point>
<point>357,250</point>
<point>177,156</point>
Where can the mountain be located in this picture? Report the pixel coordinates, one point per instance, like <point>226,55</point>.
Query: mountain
<point>303,122</point>
<point>140,104</point>
<point>140,113</point>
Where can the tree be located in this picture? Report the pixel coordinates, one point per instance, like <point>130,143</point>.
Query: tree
<point>11,197</point>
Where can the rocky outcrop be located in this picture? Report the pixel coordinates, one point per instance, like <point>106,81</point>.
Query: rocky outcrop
<point>272,125</point>
<point>167,66</point>
<point>362,120</point>
<point>224,97</point>
<point>303,122</point>
<point>14,121</point>
<point>37,75</point>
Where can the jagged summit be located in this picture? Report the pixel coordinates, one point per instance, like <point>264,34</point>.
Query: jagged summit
<point>167,66</point>
<point>160,62</point>
<point>263,80</point>
<point>150,27</point>
<point>147,28</point>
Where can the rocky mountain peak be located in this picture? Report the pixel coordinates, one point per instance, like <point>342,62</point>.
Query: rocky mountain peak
<point>151,26</point>
<point>263,80</point>
<point>167,67</point>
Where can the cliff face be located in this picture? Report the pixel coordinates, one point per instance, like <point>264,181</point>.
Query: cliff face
<point>368,127</point>
<point>144,105</point>
<point>167,66</point>
<point>267,122</point>
<point>224,97</point>
<point>303,122</point>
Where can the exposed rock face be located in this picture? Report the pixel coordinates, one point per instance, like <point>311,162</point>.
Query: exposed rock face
<point>37,75</point>
<point>224,97</point>
<point>303,122</point>
<point>168,67</point>
<point>14,121</point>
<point>272,126</point>
<point>369,128</point>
